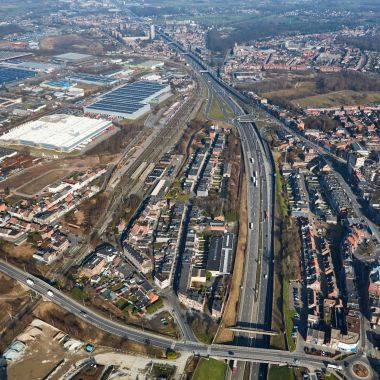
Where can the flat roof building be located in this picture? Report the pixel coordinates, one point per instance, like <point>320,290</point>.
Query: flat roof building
<point>6,55</point>
<point>59,132</point>
<point>10,74</point>
<point>129,101</point>
<point>96,80</point>
<point>219,260</point>
<point>73,58</point>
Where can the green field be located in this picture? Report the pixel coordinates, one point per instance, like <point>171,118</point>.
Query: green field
<point>340,98</point>
<point>281,373</point>
<point>305,94</point>
<point>300,89</point>
<point>215,111</point>
<point>210,369</point>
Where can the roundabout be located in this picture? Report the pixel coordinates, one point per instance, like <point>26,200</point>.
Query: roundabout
<point>361,369</point>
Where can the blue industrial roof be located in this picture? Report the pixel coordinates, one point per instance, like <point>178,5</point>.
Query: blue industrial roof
<point>59,83</point>
<point>9,74</point>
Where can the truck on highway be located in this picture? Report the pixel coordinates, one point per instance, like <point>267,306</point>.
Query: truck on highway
<point>30,282</point>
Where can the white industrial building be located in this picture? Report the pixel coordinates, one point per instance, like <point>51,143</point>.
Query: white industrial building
<point>59,132</point>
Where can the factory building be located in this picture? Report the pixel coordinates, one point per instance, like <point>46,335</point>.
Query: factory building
<point>95,80</point>
<point>129,101</point>
<point>72,58</point>
<point>59,132</point>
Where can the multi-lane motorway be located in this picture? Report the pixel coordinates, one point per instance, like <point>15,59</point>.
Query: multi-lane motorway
<point>255,308</point>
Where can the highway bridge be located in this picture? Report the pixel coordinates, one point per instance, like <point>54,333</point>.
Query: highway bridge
<point>251,354</point>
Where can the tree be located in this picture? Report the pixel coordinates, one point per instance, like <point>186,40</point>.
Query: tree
<point>171,354</point>
<point>323,123</point>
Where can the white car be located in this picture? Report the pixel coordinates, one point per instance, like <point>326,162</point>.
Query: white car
<point>29,281</point>
<point>50,293</point>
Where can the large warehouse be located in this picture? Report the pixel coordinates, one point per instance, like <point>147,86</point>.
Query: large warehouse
<point>129,101</point>
<point>59,132</point>
<point>96,80</point>
<point>72,58</point>
<point>10,74</point>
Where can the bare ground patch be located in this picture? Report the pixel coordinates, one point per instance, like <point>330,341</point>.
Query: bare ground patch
<point>71,42</point>
<point>37,171</point>
<point>38,184</point>
<point>79,329</point>
<point>12,298</point>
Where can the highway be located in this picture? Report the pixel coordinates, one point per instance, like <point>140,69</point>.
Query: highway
<point>254,312</point>
<point>255,309</point>
<point>260,355</point>
<point>255,306</point>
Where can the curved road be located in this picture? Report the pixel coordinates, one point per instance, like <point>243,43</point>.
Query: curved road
<point>146,337</point>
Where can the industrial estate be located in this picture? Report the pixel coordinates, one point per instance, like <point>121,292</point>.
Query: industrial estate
<point>189,190</point>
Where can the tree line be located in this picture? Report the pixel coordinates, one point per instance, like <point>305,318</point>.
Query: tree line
<point>346,80</point>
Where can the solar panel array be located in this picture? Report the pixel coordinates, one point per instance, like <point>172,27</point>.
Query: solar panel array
<point>9,74</point>
<point>128,98</point>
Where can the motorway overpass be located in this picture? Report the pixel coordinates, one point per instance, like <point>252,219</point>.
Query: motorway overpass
<point>252,354</point>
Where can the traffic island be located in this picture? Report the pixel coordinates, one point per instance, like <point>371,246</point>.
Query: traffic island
<point>361,370</point>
